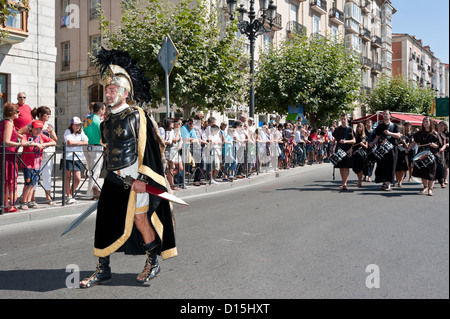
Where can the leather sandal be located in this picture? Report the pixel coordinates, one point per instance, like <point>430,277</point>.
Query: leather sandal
<point>424,190</point>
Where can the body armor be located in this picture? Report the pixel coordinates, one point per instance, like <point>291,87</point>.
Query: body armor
<point>119,132</point>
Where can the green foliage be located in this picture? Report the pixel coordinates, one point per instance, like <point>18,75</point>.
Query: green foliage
<point>399,95</point>
<point>207,73</point>
<point>318,74</point>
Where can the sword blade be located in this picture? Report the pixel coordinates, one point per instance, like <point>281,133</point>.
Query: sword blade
<point>80,218</point>
<point>128,180</point>
<point>170,197</point>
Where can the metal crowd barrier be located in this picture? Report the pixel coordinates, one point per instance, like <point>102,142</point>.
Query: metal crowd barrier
<point>57,159</point>
<point>244,159</point>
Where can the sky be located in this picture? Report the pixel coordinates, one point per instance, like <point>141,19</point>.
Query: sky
<point>427,20</point>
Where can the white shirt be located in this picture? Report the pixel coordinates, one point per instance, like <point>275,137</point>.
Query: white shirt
<point>77,150</point>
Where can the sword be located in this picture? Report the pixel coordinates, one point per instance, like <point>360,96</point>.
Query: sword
<point>128,181</point>
<point>80,218</point>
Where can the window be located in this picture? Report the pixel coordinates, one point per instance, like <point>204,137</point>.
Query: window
<point>334,33</point>
<point>94,8</point>
<point>96,93</point>
<point>353,11</point>
<point>316,24</point>
<point>65,49</point>
<point>95,45</point>
<point>293,13</point>
<point>17,22</point>
<point>353,42</point>
<point>267,42</point>
<point>64,15</point>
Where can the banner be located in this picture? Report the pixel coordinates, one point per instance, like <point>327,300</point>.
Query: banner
<point>442,107</point>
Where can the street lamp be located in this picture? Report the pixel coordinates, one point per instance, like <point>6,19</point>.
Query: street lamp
<point>253,26</point>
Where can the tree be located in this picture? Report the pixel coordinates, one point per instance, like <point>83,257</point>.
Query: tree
<point>317,73</point>
<point>208,72</point>
<point>399,95</point>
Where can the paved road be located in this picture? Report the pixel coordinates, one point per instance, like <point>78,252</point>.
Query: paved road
<point>296,236</point>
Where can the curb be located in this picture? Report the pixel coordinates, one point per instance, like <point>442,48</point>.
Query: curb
<point>47,212</point>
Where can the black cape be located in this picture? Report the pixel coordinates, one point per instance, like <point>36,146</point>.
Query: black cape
<point>115,229</point>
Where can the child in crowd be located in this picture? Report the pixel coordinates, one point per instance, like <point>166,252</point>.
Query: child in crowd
<point>33,144</point>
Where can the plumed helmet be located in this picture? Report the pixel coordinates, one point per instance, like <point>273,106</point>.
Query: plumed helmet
<point>118,68</point>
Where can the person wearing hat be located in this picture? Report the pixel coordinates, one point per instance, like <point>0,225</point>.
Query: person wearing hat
<point>129,219</point>
<point>75,139</point>
<point>33,143</point>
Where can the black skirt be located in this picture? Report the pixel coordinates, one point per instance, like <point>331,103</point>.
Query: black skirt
<point>385,171</point>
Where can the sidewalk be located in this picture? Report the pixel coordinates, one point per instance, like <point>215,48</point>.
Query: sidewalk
<point>46,211</point>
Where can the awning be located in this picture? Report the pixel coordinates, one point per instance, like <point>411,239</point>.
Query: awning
<point>399,118</point>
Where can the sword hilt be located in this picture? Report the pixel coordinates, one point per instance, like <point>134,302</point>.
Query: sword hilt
<point>128,181</point>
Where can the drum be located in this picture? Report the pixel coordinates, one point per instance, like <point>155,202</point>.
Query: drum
<point>423,159</point>
<point>384,149</point>
<point>337,156</point>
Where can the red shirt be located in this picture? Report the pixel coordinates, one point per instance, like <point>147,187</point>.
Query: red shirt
<point>25,117</point>
<point>32,156</point>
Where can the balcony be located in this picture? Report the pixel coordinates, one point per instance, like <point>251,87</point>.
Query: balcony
<point>364,33</point>
<point>319,6</point>
<point>316,36</point>
<point>277,23</point>
<point>351,26</point>
<point>296,28</point>
<point>366,62</point>
<point>376,68</point>
<point>337,16</point>
<point>365,6</point>
<point>376,41</point>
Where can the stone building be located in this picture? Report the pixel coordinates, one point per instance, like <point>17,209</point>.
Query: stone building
<point>365,26</point>
<point>28,56</point>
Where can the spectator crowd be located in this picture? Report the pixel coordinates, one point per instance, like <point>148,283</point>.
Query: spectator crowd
<point>198,150</point>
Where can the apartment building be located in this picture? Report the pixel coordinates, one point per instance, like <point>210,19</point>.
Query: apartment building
<point>28,56</point>
<point>416,62</point>
<point>365,26</point>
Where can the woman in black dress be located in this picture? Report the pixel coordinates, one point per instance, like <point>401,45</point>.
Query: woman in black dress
<point>386,131</point>
<point>344,137</point>
<point>359,152</point>
<point>443,129</point>
<point>428,140</point>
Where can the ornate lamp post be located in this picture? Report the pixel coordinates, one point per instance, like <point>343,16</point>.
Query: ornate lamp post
<point>253,26</point>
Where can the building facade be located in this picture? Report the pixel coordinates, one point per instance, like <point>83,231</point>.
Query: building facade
<point>364,25</point>
<point>28,56</point>
<point>416,62</point>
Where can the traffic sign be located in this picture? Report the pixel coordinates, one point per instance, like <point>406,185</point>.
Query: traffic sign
<point>168,55</point>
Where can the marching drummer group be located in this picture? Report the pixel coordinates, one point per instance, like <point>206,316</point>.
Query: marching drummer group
<point>425,153</point>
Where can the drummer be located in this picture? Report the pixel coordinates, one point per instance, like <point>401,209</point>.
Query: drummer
<point>344,137</point>
<point>428,140</point>
<point>386,132</point>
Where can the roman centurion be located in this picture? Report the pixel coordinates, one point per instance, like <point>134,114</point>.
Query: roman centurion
<point>129,219</point>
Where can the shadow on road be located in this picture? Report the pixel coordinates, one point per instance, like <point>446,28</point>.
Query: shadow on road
<point>46,280</point>
<point>367,188</point>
